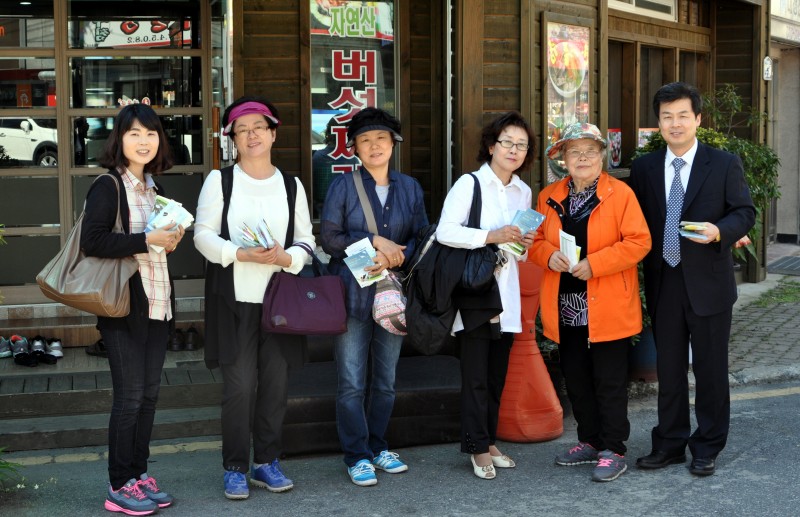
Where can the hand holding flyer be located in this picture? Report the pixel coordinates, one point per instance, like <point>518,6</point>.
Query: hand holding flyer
<point>359,257</point>
<point>689,229</point>
<point>165,212</point>
<point>527,221</point>
<point>570,249</point>
<point>260,236</point>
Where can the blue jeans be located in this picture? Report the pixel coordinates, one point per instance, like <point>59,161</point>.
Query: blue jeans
<point>136,378</point>
<point>365,394</point>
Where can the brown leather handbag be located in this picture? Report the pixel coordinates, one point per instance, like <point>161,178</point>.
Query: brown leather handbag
<point>91,284</point>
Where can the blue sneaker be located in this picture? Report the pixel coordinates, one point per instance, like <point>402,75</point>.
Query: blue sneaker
<point>271,477</point>
<point>236,485</point>
<point>389,462</point>
<point>5,347</point>
<point>363,473</point>
<point>150,488</point>
<point>130,500</point>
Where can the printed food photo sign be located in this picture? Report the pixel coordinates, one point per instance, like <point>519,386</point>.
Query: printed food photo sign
<point>567,51</point>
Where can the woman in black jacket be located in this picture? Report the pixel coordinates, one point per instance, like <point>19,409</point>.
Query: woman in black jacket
<point>137,344</point>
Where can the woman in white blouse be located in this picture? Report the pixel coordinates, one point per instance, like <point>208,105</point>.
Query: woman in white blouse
<point>507,146</point>
<point>254,364</point>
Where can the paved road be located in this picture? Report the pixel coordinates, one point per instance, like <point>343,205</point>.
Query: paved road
<point>758,474</point>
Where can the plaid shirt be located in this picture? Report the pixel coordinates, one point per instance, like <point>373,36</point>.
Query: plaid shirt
<point>152,265</point>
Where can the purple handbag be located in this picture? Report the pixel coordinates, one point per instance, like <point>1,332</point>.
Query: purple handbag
<point>301,305</point>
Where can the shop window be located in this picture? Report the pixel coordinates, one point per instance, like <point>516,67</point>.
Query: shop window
<point>28,142</point>
<point>18,192</point>
<point>102,82</point>
<point>121,24</point>
<point>25,258</point>
<point>352,67</point>
<point>664,9</point>
<point>27,82</point>
<point>31,25</point>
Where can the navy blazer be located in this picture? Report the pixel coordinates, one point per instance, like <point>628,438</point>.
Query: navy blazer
<point>717,193</point>
<point>99,240</point>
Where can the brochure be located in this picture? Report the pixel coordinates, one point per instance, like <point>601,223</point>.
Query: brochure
<point>357,262</point>
<point>527,221</point>
<point>689,229</point>
<point>569,248</point>
<point>261,235</point>
<point>359,256</point>
<point>165,212</point>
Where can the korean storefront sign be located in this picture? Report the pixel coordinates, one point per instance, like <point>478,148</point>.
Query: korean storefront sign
<point>352,67</point>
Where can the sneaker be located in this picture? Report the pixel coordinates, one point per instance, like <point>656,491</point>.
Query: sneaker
<point>362,473</point>
<point>5,347</point>
<point>21,351</point>
<point>389,462</point>
<point>129,500</point>
<point>150,488</point>
<point>271,477</point>
<point>578,455</point>
<point>55,348</point>
<point>609,467</point>
<point>38,347</point>
<point>236,485</point>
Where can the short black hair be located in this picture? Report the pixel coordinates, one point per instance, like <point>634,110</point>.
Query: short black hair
<point>676,91</point>
<point>492,130</point>
<point>113,156</point>
<point>252,98</point>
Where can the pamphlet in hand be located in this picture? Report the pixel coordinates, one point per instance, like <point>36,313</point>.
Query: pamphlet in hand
<point>165,212</point>
<point>689,229</point>
<point>359,256</point>
<point>570,249</point>
<point>527,221</point>
<point>261,235</point>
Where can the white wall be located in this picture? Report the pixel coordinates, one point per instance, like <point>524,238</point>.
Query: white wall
<point>786,138</point>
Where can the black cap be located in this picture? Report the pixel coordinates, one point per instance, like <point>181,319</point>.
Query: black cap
<point>371,119</point>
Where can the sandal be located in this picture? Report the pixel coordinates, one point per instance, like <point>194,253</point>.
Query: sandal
<point>97,349</point>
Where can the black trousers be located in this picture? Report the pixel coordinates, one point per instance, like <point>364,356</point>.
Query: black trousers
<point>596,376</point>
<point>674,324</point>
<point>254,394</point>
<point>484,363</point>
<point>136,378</point>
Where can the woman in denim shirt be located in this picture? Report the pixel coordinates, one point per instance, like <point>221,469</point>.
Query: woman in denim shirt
<point>362,412</point>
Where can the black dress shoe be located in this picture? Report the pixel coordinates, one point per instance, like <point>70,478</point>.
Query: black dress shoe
<point>702,466</point>
<point>659,459</point>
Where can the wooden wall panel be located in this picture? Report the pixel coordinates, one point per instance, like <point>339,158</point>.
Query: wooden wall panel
<point>735,32</point>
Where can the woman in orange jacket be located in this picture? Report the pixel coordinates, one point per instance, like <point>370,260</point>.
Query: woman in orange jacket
<point>590,302</point>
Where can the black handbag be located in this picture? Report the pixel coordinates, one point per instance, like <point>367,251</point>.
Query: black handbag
<point>479,268</point>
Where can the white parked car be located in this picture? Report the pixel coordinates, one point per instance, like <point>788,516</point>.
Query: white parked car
<point>29,140</point>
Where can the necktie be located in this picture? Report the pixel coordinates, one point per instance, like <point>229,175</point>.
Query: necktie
<point>672,245</point>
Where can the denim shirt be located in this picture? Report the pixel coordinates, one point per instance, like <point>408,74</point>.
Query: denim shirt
<point>343,223</point>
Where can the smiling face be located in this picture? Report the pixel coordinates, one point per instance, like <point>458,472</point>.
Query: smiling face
<point>374,149</point>
<point>584,160</point>
<point>506,161</point>
<point>252,136</point>
<point>139,146</point>
<point>678,125</point>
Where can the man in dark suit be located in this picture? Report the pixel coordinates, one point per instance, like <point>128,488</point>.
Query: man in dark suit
<point>689,282</point>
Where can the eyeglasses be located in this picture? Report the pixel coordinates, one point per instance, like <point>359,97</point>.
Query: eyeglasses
<point>575,154</point>
<point>258,131</point>
<point>508,144</point>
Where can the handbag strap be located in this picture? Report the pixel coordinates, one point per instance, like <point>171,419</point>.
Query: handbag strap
<point>118,223</point>
<point>372,226</point>
<point>475,210</point>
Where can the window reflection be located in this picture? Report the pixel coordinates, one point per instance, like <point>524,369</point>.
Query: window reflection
<point>27,82</point>
<point>31,25</point>
<point>183,135</point>
<point>120,24</point>
<point>166,81</point>
<point>27,141</point>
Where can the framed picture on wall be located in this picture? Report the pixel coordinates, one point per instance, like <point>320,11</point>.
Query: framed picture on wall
<point>567,55</point>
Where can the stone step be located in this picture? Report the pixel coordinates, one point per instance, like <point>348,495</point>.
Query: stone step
<point>75,328</point>
<point>426,408</point>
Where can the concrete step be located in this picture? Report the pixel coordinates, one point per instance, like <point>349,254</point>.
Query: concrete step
<point>426,409</point>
